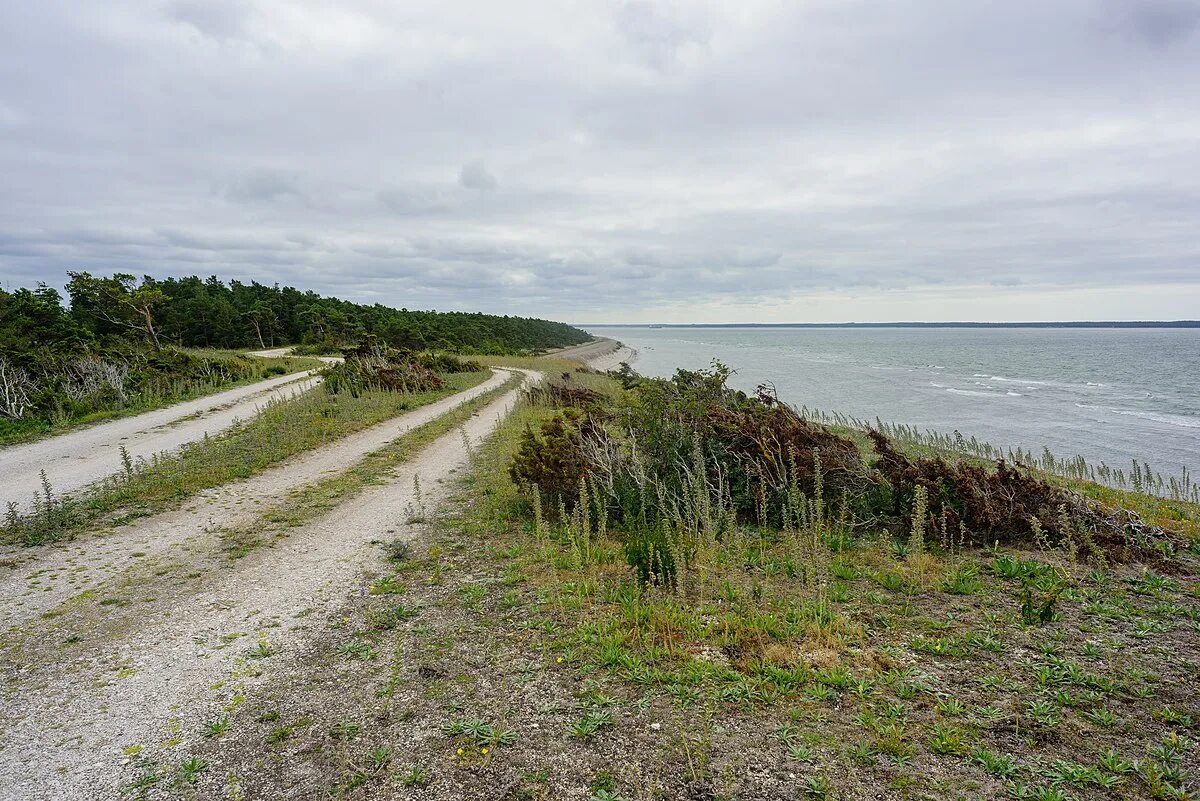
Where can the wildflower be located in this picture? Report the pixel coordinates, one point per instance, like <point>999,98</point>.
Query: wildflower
<point>559,660</point>
<point>459,752</point>
<point>483,751</point>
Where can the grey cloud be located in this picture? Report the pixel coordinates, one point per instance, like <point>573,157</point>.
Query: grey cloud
<point>217,19</point>
<point>1161,23</point>
<point>11,117</point>
<point>474,175</point>
<point>656,32</point>
<point>656,156</point>
<point>413,201</point>
<point>266,185</point>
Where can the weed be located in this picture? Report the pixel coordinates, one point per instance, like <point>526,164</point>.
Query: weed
<point>415,776</point>
<point>591,722</point>
<point>190,769</point>
<point>217,728</point>
<point>948,740</point>
<point>1002,766</point>
<point>817,786</point>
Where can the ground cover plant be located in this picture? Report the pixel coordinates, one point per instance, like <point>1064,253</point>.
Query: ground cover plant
<point>688,622</point>
<point>372,365</point>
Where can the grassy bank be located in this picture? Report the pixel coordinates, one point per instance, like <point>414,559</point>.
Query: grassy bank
<point>516,654</point>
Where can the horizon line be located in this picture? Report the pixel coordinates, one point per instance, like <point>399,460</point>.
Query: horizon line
<point>920,324</point>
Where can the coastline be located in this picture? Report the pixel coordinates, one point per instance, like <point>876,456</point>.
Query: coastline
<point>602,353</point>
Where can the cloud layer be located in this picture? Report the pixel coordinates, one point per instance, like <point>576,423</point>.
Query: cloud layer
<point>594,161</point>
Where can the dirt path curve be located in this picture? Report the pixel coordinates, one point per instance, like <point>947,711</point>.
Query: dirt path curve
<point>35,580</point>
<point>192,640</point>
<point>78,458</point>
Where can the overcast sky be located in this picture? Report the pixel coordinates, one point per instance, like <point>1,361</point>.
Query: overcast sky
<point>617,162</point>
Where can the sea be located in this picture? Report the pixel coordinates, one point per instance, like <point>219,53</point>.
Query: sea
<point>1111,395</point>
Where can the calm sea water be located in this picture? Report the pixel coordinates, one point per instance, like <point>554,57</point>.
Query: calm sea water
<point>1110,395</point>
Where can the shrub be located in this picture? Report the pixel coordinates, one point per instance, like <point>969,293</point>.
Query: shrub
<point>553,458</point>
<point>1039,598</point>
<point>650,552</point>
<point>1005,504</point>
<point>563,395</point>
<point>446,363</point>
<point>371,367</point>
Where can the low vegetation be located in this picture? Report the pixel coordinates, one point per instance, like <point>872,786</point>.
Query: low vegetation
<point>373,366</point>
<point>722,600</point>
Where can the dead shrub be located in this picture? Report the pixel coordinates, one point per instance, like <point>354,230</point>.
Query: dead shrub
<point>565,395</point>
<point>372,367</point>
<point>778,446</point>
<point>1008,504</point>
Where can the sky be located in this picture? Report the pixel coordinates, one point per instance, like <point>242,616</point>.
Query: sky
<point>617,162</point>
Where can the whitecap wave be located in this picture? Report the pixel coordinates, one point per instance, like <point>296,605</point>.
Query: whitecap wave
<point>1158,417</point>
<point>1014,380</point>
<point>1179,420</point>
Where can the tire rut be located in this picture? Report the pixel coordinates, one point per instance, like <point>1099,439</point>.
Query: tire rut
<point>78,458</point>
<point>191,639</point>
<point>35,581</point>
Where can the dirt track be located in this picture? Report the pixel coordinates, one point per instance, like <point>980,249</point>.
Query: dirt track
<point>35,580</point>
<point>135,639</point>
<point>78,458</point>
<point>150,667</point>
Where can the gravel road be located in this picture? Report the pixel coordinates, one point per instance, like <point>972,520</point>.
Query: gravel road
<point>78,458</point>
<point>35,580</point>
<point>166,660</point>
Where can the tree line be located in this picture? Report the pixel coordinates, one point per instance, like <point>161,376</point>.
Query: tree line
<point>195,312</point>
<point>118,342</point>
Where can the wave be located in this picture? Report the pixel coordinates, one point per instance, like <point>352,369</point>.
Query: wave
<point>973,392</point>
<point>1012,394</point>
<point>1158,417</point>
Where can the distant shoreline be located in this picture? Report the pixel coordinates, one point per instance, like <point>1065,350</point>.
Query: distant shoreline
<point>1081,324</point>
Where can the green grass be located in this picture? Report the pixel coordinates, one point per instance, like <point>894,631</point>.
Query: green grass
<point>283,429</point>
<point>938,667</point>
